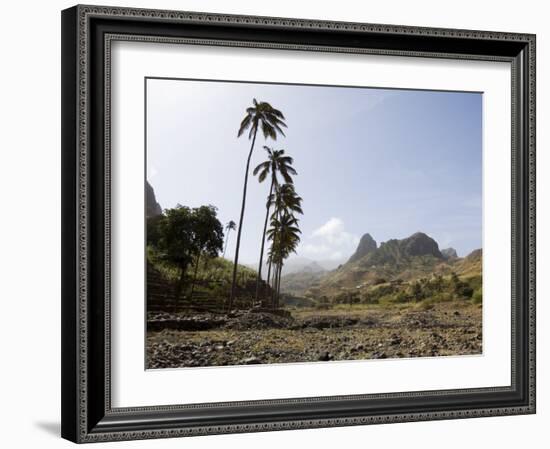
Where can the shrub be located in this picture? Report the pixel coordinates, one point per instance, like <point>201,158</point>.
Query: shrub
<point>475,282</point>
<point>477,297</point>
<point>416,291</point>
<point>465,291</point>
<point>399,297</point>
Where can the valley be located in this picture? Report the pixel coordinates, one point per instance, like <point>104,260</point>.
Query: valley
<point>400,299</point>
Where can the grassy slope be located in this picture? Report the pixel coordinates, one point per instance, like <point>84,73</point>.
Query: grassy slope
<point>218,269</point>
<point>395,283</point>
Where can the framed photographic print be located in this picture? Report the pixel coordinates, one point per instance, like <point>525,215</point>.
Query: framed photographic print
<point>284,223</point>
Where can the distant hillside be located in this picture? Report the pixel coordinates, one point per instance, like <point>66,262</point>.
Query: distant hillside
<point>449,253</point>
<point>299,282</point>
<point>471,265</point>
<point>299,264</point>
<point>397,260</point>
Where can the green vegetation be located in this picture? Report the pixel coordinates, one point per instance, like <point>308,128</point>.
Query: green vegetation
<point>477,296</point>
<point>215,269</point>
<point>427,290</point>
<point>182,236</point>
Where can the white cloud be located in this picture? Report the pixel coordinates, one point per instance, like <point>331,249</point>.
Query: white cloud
<point>330,241</point>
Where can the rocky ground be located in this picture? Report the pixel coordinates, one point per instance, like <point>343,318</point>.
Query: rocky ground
<point>451,328</point>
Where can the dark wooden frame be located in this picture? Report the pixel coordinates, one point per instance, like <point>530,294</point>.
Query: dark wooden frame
<point>87,32</point>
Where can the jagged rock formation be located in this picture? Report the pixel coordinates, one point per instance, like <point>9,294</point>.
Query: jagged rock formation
<point>419,244</point>
<point>449,253</point>
<point>405,259</point>
<point>396,252</point>
<point>367,245</point>
<point>152,207</point>
<point>394,262</point>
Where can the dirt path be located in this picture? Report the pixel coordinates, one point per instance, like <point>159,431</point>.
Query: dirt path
<point>370,333</point>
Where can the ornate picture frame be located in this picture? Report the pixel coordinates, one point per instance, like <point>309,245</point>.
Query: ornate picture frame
<point>87,35</point>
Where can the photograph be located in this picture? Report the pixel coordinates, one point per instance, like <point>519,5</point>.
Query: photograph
<point>294,223</point>
<point>278,223</point>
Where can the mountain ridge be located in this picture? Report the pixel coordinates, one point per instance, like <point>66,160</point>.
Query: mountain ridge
<point>399,260</point>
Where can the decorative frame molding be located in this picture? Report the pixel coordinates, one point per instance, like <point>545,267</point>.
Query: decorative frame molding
<point>88,32</point>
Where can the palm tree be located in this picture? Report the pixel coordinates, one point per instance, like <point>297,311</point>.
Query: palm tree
<point>284,234</point>
<point>230,226</point>
<point>276,163</point>
<point>271,121</point>
<point>284,200</point>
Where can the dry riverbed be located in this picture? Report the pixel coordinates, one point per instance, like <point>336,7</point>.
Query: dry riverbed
<point>357,333</point>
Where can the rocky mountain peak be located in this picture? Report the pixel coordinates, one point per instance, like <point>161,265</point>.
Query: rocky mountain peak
<point>366,246</point>
<point>420,244</point>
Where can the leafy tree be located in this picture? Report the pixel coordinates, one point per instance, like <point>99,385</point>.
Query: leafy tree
<point>184,234</point>
<point>176,242</point>
<point>277,164</point>
<point>153,232</point>
<point>270,121</point>
<point>207,236</point>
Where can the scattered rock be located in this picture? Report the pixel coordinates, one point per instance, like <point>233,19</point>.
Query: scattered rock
<point>250,361</point>
<point>220,340</point>
<point>395,340</point>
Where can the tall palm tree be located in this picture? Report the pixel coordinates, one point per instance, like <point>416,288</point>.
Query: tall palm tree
<point>230,226</point>
<point>271,121</point>
<point>276,163</point>
<point>284,234</point>
<point>284,200</point>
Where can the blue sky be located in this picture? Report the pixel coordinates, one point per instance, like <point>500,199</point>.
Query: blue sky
<point>387,162</point>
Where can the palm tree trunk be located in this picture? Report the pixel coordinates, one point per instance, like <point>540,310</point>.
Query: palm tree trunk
<point>236,263</point>
<point>226,242</point>
<point>273,281</point>
<point>279,285</point>
<point>268,280</point>
<point>195,276</point>
<point>259,278</point>
<point>276,284</point>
